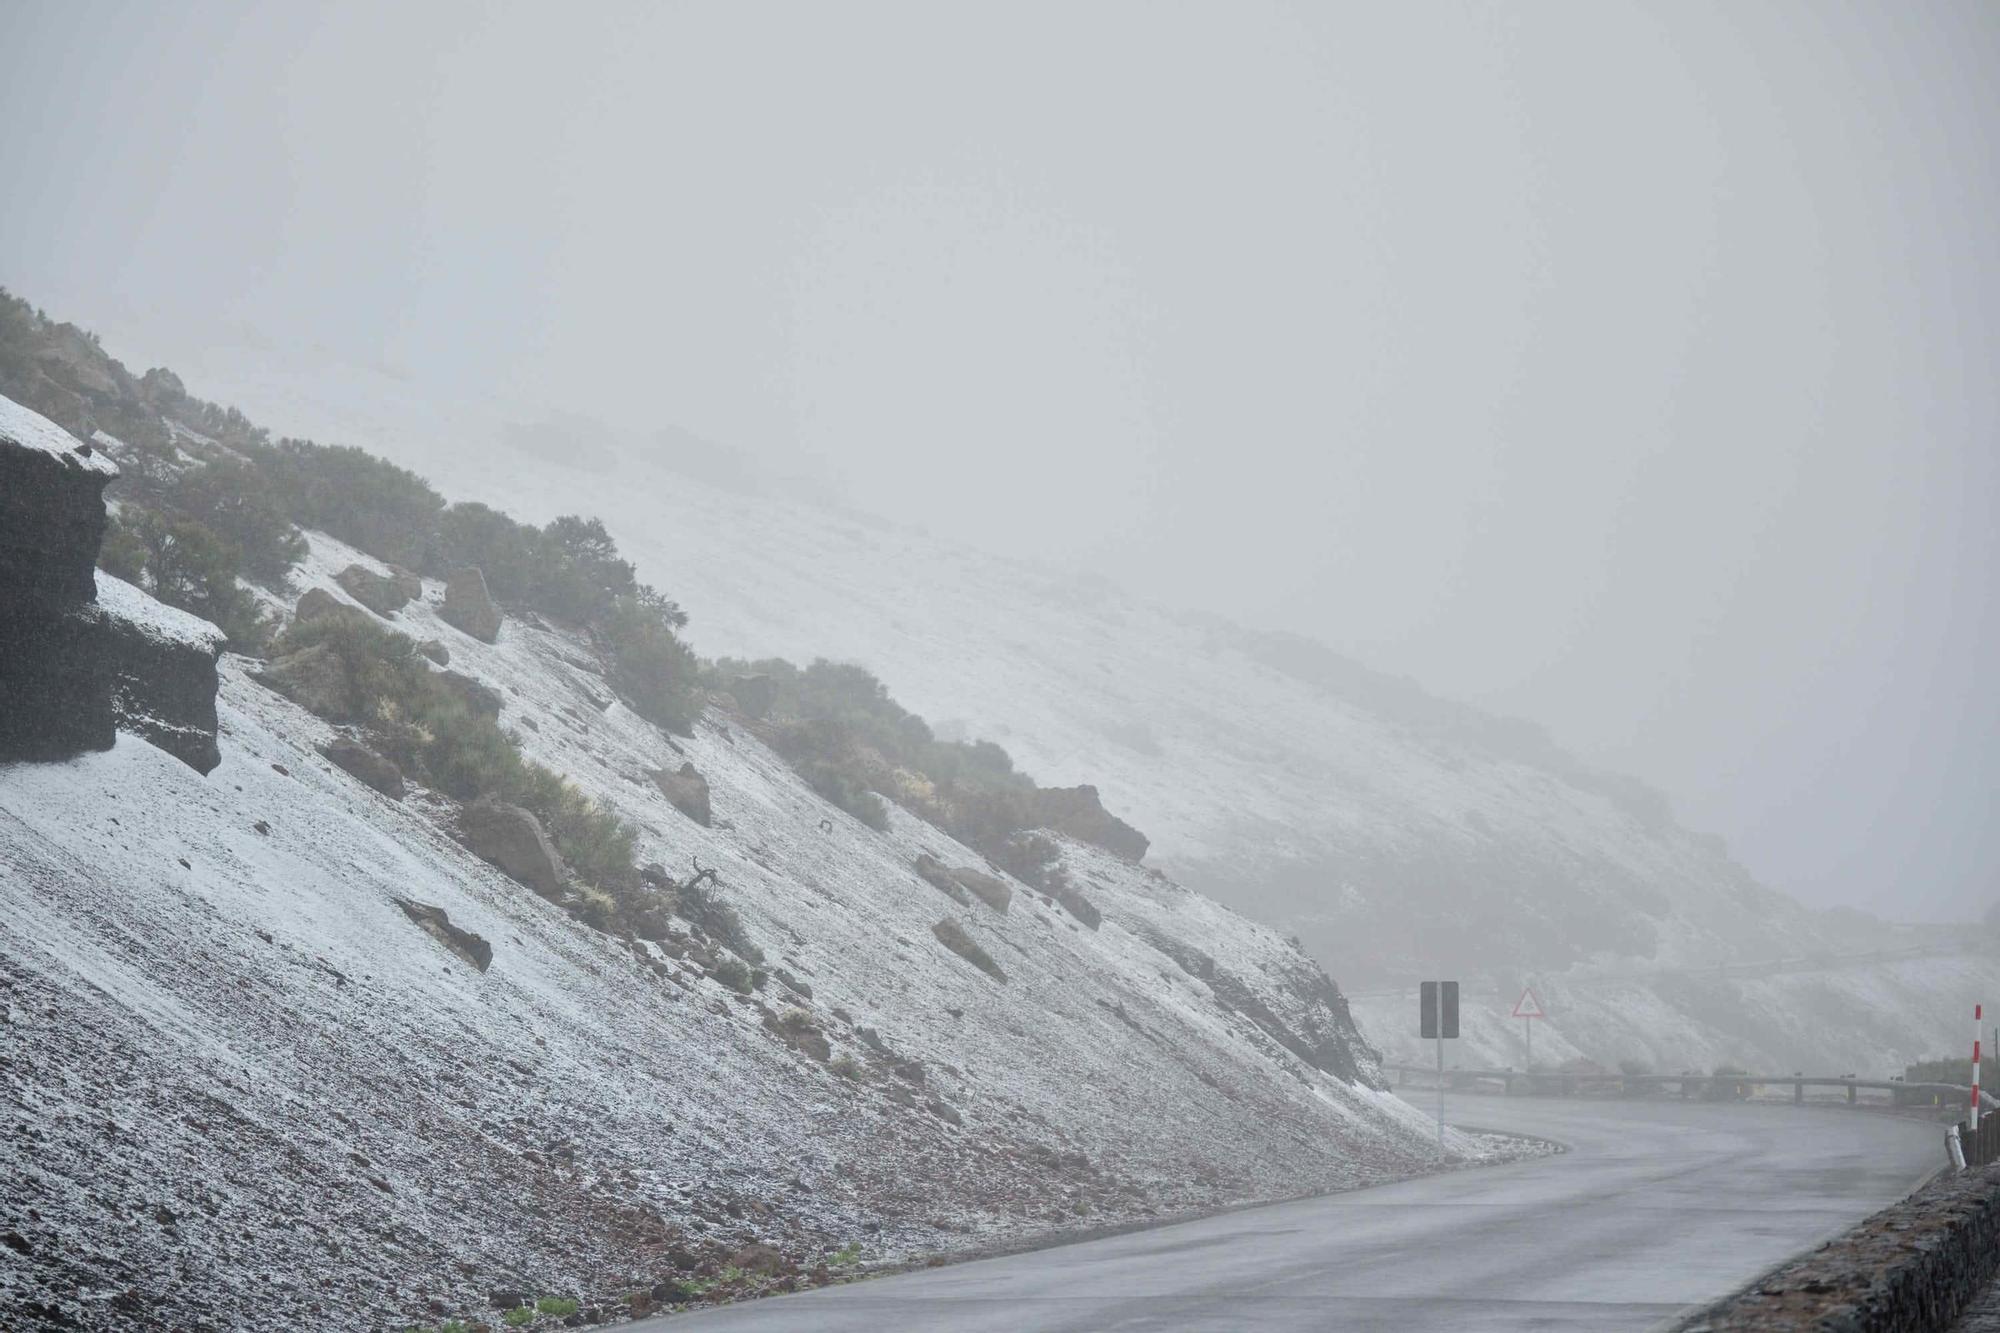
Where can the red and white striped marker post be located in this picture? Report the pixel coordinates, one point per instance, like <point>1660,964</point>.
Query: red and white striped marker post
<point>1978,1011</point>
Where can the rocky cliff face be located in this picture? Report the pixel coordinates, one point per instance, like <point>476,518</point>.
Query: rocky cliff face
<point>55,698</point>
<point>82,654</point>
<point>162,665</point>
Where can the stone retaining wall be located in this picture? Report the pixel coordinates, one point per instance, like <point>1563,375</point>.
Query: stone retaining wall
<point>1911,1268</point>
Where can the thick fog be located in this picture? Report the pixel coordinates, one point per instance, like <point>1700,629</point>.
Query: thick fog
<point>1626,368</point>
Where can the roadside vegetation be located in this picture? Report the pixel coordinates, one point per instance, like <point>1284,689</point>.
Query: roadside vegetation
<point>209,506</point>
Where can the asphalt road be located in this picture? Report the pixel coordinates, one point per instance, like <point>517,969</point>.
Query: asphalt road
<point>1655,1209</point>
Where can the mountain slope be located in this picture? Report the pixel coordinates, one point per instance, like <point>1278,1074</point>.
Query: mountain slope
<point>245,1084</point>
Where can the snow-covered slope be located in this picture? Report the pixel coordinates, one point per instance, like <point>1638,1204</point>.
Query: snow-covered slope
<point>244,1086</point>
<point>1400,836</point>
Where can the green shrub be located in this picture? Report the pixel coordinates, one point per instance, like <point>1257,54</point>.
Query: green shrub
<point>651,668</point>
<point>368,502</point>
<point>560,1306</point>
<point>184,564</point>
<point>240,504</point>
<point>735,974</point>
<point>428,729</point>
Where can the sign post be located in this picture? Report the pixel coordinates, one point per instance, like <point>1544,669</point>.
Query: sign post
<point>1437,1017</point>
<point>1527,1009</point>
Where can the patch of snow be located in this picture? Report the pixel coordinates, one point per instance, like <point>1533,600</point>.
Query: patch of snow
<point>27,429</point>
<point>157,620</point>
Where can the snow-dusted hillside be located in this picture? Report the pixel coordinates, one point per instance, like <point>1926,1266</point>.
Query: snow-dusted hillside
<point>1398,835</point>
<point>244,1086</point>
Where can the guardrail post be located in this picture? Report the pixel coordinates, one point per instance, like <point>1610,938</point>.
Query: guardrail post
<point>1952,1146</point>
<point>1850,1094</point>
<point>1798,1093</point>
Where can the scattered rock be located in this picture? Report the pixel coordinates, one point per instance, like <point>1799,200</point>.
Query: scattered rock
<point>469,607</point>
<point>319,604</point>
<point>352,757</point>
<point>314,678</point>
<point>1190,959</point>
<point>513,839</point>
<point>436,651</point>
<point>379,593</point>
<point>436,923</point>
<point>262,828</point>
<point>478,698</point>
<point>953,937</point>
<point>686,791</point>
<point>987,888</point>
<point>938,875</point>
<point>1074,902</point>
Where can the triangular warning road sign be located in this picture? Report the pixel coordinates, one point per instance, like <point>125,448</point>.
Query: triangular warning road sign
<point>1528,1006</point>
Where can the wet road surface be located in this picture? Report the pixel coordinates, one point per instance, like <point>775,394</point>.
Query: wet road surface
<point>1655,1209</point>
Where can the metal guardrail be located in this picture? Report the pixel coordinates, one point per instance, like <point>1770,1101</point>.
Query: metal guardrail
<point>1570,1083</point>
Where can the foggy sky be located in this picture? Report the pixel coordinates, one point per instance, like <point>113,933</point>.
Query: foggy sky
<point>1626,368</point>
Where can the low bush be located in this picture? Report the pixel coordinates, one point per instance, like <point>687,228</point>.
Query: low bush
<point>239,503</point>
<point>369,502</point>
<point>428,730</point>
<point>184,564</point>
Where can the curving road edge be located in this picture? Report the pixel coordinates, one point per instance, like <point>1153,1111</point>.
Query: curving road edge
<point>1657,1209</point>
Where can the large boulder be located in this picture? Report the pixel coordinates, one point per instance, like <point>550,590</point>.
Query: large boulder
<point>1079,812</point>
<point>436,651</point>
<point>382,594</point>
<point>938,875</point>
<point>477,696</point>
<point>513,839</point>
<point>316,679</point>
<point>686,791</point>
<point>319,604</point>
<point>1073,901</point>
<point>989,889</point>
<point>162,663</point>
<point>352,757</point>
<point>953,937</point>
<point>469,607</point>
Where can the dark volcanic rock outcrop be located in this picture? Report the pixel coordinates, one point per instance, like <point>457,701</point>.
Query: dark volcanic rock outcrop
<point>51,511</point>
<point>82,654</point>
<point>1078,812</point>
<point>162,664</point>
<point>469,607</point>
<point>55,691</point>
